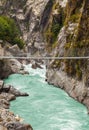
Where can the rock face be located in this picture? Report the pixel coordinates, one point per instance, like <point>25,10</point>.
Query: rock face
<point>27,14</point>
<point>9,121</point>
<point>67,34</point>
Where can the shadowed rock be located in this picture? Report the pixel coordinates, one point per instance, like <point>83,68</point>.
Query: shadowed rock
<point>18,126</point>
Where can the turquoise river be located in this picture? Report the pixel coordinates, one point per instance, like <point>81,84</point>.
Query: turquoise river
<point>46,107</point>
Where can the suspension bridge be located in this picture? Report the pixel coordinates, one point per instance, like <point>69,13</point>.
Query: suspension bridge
<point>42,58</point>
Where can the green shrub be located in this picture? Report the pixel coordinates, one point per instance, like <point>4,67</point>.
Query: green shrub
<point>19,42</point>
<point>52,33</point>
<point>9,31</point>
<point>55,29</point>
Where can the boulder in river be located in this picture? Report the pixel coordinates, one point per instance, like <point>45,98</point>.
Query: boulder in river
<point>10,66</point>
<point>11,90</point>
<point>36,65</point>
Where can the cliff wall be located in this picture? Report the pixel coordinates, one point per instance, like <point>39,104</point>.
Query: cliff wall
<point>67,34</point>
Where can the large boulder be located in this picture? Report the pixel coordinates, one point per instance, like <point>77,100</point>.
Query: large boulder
<point>8,67</point>
<point>11,90</point>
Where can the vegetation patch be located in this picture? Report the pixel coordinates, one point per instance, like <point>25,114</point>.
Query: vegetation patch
<point>9,31</point>
<point>54,26</point>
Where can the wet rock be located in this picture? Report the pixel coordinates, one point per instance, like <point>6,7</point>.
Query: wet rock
<point>16,92</point>
<point>24,94</point>
<point>23,72</point>
<point>36,65</point>
<point>13,91</point>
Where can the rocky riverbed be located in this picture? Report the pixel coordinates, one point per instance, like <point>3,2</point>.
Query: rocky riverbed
<point>9,121</point>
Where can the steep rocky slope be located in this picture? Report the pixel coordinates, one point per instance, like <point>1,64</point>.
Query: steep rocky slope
<point>27,14</point>
<point>67,34</point>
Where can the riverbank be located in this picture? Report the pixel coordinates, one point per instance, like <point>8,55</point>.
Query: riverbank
<point>8,93</point>
<point>75,89</point>
<point>8,120</point>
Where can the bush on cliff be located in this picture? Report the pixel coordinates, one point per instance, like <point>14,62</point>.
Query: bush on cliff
<point>9,31</point>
